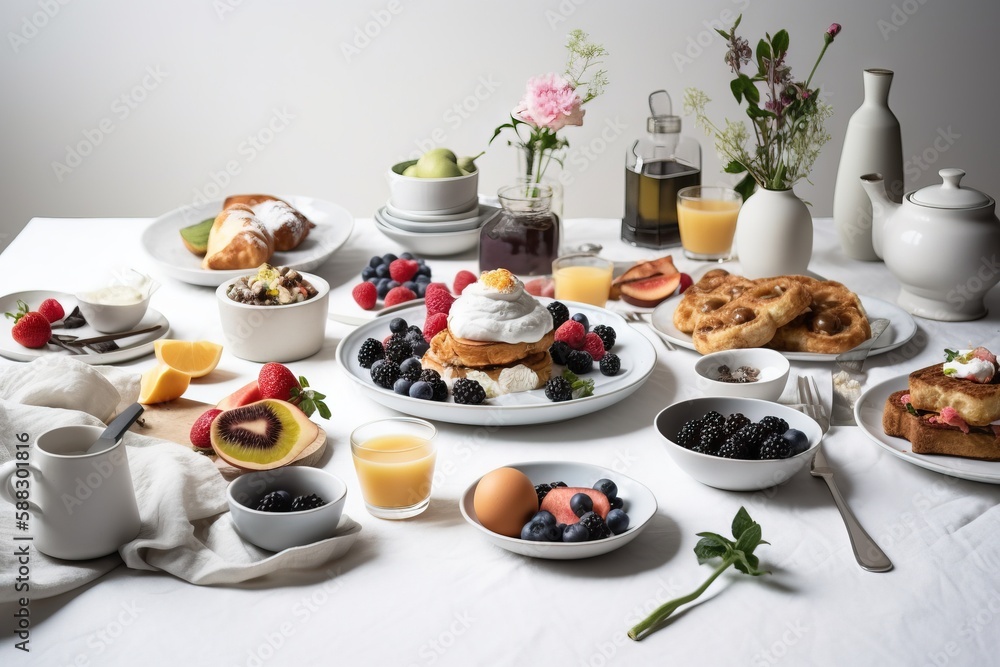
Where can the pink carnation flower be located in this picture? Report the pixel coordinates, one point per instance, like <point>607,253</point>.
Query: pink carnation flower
<point>550,101</point>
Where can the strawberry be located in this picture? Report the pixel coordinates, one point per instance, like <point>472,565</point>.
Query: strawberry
<point>402,270</point>
<point>431,287</point>
<point>572,333</point>
<point>51,310</point>
<point>276,381</point>
<point>201,430</point>
<point>435,324</point>
<point>592,343</point>
<point>365,295</point>
<point>399,295</point>
<point>438,301</point>
<point>30,329</point>
<point>684,283</point>
<point>462,280</point>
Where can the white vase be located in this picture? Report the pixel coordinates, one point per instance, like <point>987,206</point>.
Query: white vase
<point>774,234</point>
<point>873,144</point>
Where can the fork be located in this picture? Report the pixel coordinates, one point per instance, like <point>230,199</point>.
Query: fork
<point>812,404</point>
<point>633,317</point>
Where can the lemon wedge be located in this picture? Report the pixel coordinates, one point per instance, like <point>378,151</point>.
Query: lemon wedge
<point>162,383</point>
<point>195,358</point>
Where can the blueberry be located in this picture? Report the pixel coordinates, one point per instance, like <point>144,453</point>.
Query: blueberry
<point>382,287</point>
<point>375,262</point>
<point>410,285</point>
<point>423,269</point>
<point>389,258</point>
<point>575,532</point>
<point>398,325</point>
<point>374,281</point>
<point>421,290</point>
<point>617,521</point>
<point>406,255</point>
<point>410,368</point>
<point>422,390</point>
<point>544,517</point>
<point>581,503</point>
<point>421,261</point>
<point>419,346</point>
<point>382,270</point>
<point>402,386</point>
<point>616,503</point>
<point>798,442</point>
<point>540,531</point>
<point>393,284</point>
<point>422,278</point>
<point>582,319</point>
<point>607,487</point>
<point>367,272</point>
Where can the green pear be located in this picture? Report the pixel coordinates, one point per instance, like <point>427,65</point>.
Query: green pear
<point>411,170</point>
<point>467,164</point>
<point>437,166</point>
<point>443,152</point>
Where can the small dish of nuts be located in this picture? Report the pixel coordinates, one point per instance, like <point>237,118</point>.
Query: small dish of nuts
<point>271,286</point>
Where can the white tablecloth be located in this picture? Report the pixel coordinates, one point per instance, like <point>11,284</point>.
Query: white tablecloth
<point>432,591</point>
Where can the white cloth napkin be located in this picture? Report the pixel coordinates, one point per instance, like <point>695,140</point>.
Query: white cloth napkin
<point>186,527</point>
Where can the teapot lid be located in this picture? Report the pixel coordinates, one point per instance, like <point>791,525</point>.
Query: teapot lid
<point>950,193</point>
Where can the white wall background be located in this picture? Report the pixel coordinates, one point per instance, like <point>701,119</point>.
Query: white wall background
<point>435,72</point>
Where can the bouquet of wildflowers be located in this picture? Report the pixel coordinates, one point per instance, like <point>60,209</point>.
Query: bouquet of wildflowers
<point>788,130</point>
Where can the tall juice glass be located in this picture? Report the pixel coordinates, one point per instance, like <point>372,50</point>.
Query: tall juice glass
<point>706,216</point>
<point>583,277</point>
<point>394,459</point>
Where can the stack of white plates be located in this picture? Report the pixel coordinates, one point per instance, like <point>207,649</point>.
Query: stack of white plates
<point>435,233</point>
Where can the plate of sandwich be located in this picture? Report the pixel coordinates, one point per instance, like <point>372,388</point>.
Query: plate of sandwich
<point>936,421</point>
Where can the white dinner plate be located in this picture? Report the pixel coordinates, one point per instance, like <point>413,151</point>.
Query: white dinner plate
<point>130,348</point>
<point>471,210</point>
<point>900,330</point>
<point>868,414</point>
<point>462,225</point>
<point>640,505</point>
<point>162,240</point>
<point>528,407</point>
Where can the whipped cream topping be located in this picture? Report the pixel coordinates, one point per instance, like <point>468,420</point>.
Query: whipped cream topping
<point>498,311</point>
<point>967,367</point>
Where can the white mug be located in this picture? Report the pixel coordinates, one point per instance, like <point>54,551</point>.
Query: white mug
<point>82,502</point>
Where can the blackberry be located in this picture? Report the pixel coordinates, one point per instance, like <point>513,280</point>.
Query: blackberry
<point>607,335</point>
<point>468,392</point>
<point>735,447</point>
<point>735,423</point>
<point>714,417</point>
<point>370,352</point>
<point>557,485</point>
<point>398,325</point>
<point>710,439</point>
<point>310,502</point>
<point>384,373</point>
<point>398,350</point>
<point>418,344</point>
<point>774,424</point>
<point>410,369</point>
<point>560,352</point>
<point>775,447</point>
<point>414,329</point>
<point>690,434</point>
<point>440,389</point>
<point>616,503</point>
<point>610,364</point>
<point>429,375</point>
<point>560,313</point>
<point>558,389</point>
<point>542,490</point>
<point>754,434</point>
<point>580,362</point>
<point>593,522</point>
<point>276,501</point>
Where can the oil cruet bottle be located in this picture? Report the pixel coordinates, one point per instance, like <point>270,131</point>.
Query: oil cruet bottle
<point>657,167</point>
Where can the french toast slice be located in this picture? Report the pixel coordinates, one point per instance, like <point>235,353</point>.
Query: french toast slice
<point>978,404</point>
<point>928,438</point>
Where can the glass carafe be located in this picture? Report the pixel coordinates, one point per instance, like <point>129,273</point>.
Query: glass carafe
<point>524,237</point>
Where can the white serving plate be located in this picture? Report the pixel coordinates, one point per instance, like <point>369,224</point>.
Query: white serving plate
<point>132,347</point>
<point>640,505</point>
<point>529,407</point>
<point>431,244</point>
<point>901,327</point>
<point>461,225</point>
<point>470,210</point>
<point>162,240</point>
<point>868,414</point>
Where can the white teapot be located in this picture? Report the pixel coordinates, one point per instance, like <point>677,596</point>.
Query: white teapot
<point>942,244</point>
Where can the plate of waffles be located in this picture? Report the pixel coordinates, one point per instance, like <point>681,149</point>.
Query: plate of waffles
<point>805,318</point>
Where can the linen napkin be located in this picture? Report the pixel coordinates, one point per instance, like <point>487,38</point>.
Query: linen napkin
<point>186,527</point>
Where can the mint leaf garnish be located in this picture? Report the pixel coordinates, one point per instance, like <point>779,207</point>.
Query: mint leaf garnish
<point>949,355</point>
<point>580,387</point>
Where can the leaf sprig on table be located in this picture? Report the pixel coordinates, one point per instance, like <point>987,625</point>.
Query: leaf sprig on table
<point>738,553</point>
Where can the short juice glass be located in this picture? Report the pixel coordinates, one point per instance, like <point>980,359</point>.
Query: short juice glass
<point>583,277</point>
<point>394,459</point>
<point>706,217</point>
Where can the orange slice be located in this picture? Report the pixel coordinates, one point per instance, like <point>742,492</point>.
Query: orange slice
<point>196,358</point>
<point>161,383</point>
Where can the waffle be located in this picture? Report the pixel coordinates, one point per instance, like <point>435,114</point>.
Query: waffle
<point>834,321</point>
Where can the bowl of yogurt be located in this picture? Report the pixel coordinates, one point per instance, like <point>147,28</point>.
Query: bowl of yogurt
<point>119,305</point>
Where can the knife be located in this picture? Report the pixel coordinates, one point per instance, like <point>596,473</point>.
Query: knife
<point>868,554</point>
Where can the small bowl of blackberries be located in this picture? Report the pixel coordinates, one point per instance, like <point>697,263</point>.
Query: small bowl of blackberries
<point>738,444</point>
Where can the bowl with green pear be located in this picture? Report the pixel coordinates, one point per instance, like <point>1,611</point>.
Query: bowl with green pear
<point>438,183</point>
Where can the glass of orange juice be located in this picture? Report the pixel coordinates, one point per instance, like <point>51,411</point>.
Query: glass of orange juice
<point>583,277</point>
<point>394,459</point>
<point>706,216</point>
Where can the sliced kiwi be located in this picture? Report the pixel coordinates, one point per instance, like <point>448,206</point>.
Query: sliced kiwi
<point>262,435</point>
<point>195,237</point>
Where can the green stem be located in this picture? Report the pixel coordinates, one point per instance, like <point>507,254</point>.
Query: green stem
<point>661,613</point>
<point>825,45</point>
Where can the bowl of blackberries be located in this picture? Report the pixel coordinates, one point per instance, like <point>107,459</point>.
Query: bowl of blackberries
<point>286,507</point>
<point>738,444</point>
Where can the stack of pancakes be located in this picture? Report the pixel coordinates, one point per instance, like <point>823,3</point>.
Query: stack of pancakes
<point>723,311</point>
<point>455,357</point>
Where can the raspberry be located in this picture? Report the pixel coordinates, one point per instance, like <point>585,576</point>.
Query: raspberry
<point>462,280</point>
<point>437,286</point>
<point>402,270</point>
<point>399,295</point>
<point>365,294</point>
<point>434,325</point>
<point>572,333</point>
<point>438,300</point>
<point>593,344</point>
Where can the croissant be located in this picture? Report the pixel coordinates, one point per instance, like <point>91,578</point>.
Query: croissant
<point>238,240</point>
<point>288,226</point>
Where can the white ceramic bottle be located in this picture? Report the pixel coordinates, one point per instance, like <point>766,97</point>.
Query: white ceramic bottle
<point>873,144</point>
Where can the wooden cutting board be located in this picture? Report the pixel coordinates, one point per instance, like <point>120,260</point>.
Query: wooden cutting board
<point>172,421</point>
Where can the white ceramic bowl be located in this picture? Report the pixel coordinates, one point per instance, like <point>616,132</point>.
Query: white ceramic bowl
<point>409,193</point>
<point>275,333</point>
<point>640,505</point>
<point>735,474</point>
<point>276,531</point>
<point>111,318</point>
<point>773,367</point>
<point>431,244</point>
